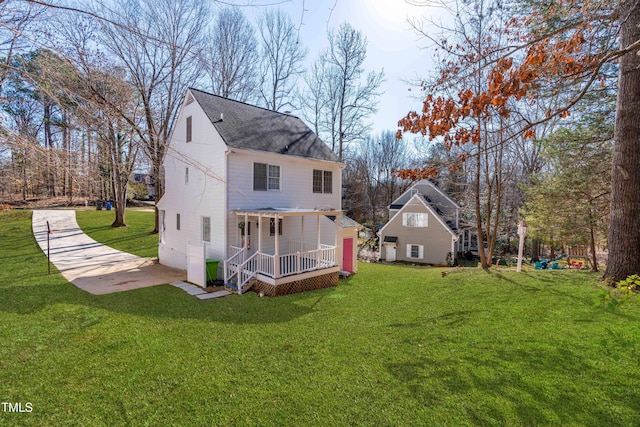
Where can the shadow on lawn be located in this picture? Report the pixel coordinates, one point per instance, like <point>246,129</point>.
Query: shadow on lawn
<point>162,301</point>
<point>525,386</point>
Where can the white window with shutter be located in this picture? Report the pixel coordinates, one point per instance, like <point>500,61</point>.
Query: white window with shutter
<point>415,251</point>
<point>414,219</point>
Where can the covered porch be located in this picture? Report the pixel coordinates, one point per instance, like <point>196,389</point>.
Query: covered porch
<point>276,246</point>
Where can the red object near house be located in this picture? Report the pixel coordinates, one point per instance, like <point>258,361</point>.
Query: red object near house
<point>347,255</point>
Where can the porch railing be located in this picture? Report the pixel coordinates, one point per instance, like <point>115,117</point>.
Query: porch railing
<point>238,256</point>
<point>245,267</point>
<point>302,262</point>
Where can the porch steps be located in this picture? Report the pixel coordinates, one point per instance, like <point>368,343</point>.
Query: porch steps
<point>232,285</point>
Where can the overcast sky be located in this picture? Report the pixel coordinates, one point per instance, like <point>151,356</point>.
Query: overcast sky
<point>392,44</point>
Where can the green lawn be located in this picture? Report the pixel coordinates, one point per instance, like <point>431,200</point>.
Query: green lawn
<point>135,238</point>
<point>391,346</point>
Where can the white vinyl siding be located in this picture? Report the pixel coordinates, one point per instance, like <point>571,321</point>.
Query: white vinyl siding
<point>415,251</point>
<point>413,219</point>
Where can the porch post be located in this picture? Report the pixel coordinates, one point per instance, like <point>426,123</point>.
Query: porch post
<point>319,254</point>
<point>276,252</point>
<point>244,231</point>
<point>302,233</point>
<point>335,249</point>
<point>259,232</point>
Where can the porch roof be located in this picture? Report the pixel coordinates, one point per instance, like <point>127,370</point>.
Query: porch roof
<point>282,212</point>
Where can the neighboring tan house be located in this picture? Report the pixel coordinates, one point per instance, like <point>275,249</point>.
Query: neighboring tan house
<point>256,190</point>
<point>424,227</point>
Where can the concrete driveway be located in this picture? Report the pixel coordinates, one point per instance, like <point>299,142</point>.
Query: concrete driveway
<point>92,266</point>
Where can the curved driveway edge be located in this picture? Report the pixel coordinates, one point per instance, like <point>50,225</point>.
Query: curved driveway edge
<point>92,266</point>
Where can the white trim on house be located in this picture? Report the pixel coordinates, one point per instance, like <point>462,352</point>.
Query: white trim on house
<point>424,182</point>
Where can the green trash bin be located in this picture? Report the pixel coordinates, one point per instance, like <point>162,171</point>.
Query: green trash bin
<point>212,270</point>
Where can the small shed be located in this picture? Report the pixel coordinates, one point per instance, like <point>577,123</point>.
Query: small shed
<point>348,232</point>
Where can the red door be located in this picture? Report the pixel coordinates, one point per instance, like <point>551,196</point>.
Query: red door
<point>347,254</point>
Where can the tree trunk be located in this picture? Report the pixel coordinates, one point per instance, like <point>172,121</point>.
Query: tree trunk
<point>592,243</point>
<point>48,139</point>
<point>159,187</point>
<point>624,232</point>
<point>484,262</point>
<point>535,250</point>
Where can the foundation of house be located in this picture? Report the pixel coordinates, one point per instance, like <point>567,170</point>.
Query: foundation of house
<point>296,286</point>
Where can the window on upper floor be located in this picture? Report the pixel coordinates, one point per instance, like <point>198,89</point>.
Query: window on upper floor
<point>322,181</point>
<point>266,177</point>
<point>189,129</point>
<point>186,175</point>
<point>414,219</point>
<point>178,221</point>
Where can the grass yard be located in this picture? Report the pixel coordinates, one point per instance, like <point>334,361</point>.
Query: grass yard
<point>135,238</point>
<point>392,345</point>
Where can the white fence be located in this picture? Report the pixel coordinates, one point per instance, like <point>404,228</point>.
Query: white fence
<point>196,259</point>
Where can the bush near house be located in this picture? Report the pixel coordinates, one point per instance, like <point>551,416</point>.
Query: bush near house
<point>393,345</point>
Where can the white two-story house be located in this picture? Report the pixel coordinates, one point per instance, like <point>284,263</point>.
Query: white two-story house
<point>257,190</point>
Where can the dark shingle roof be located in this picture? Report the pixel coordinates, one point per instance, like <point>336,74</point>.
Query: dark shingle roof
<point>344,221</point>
<point>250,127</point>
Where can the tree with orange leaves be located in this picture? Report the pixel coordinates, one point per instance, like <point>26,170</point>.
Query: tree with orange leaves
<point>554,47</point>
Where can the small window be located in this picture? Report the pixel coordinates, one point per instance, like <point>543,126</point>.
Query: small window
<point>328,181</point>
<point>274,177</point>
<point>186,175</point>
<point>259,177</point>
<point>322,181</point>
<point>317,181</point>
<point>206,229</point>
<point>266,177</point>
<point>272,227</point>
<point>415,251</point>
<point>412,219</point>
<point>189,129</point>
<point>178,222</point>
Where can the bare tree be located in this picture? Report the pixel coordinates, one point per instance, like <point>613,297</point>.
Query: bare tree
<point>371,183</point>
<point>312,98</point>
<point>281,57</point>
<point>356,96</point>
<point>15,20</point>
<point>230,59</point>
<point>157,43</point>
